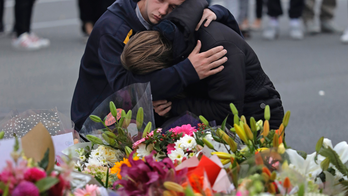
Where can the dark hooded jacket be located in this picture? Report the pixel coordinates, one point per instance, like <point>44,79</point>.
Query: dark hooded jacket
<point>101,72</point>
<point>242,81</point>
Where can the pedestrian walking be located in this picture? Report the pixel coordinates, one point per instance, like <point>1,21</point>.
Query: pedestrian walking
<point>258,12</point>
<point>1,16</point>
<point>90,11</point>
<point>25,39</point>
<point>327,13</point>
<point>275,10</point>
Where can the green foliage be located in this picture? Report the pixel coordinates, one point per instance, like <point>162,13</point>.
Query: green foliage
<point>46,183</point>
<point>95,118</point>
<point>203,120</point>
<point>45,160</point>
<point>140,117</point>
<point>334,159</point>
<point>2,134</point>
<point>267,112</point>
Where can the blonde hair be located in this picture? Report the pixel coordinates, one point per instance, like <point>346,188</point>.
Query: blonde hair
<point>146,52</point>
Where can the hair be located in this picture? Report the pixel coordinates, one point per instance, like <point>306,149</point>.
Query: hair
<point>146,52</point>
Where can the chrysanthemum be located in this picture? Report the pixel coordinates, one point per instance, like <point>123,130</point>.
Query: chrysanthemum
<point>177,154</point>
<point>117,167</point>
<point>188,142</point>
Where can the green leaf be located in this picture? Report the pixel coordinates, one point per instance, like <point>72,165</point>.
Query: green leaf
<point>46,183</point>
<point>44,162</point>
<point>319,144</point>
<point>113,109</point>
<point>140,118</point>
<point>147,129</point>
<point>286,118</point>
<point>95,118</point>
<point>233,109</point>
<point>223,124</point>
<point>189,191</point>
<point>120,122</point>
<point>203,120</point>
<point>253,124</point>
<point>94,139</point>
<point>2,134</point>
<point>301,190</point>
<point>109,140</point>
<point>267,112</point>
<point>107,178</point>
<point>334,159</point>
<point>236,119</point>
<point>128,118</point>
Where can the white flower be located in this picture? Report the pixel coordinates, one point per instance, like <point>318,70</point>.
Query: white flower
<point>177,154</point>
<point>306,167</point>
<point>144,151</point>
<point>188,142</point>
<point>105,155</point>
<point>82,158</point>
<point>342,151</point>
<point>178,144</point>
<point>209,136</point>
<point>78,165</point>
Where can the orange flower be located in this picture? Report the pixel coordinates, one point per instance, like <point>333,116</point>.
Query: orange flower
<point>117,167</point>
<point>266,171</point>
<point>286,183</point>
<point>278,132</point>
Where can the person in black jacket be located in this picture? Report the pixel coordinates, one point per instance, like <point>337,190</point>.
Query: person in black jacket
<point>242,82</point>
<point>101,72</point>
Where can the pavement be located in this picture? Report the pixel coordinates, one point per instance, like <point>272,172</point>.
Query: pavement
<point>311,75</point>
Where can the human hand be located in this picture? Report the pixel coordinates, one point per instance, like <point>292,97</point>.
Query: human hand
<point>205,62</point>
<point>207,15</point>
<point>162,107</point>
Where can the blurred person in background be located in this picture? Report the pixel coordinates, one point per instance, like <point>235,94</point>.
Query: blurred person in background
<point>1,16</point>
<point>327,10</point>
<point>90,11</point>
<point>344,37</point>
<point>258,12</point>
<point>274,7</point>
<point>243,17</point>
<point>24,38</point>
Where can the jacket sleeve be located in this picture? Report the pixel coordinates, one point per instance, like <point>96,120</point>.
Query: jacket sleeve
<point>165,83</point>
<point>224,88</point>
<point>224,16</point>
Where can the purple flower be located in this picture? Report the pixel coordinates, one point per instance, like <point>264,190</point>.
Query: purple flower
<point>137,179</point>
<point>26,188</point>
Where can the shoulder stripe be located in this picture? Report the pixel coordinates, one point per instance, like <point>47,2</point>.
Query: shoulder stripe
<point>128,35</point>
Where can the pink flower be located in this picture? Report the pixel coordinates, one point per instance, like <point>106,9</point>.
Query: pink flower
<point>34,174</point>
<point>138,142</point>
<point>26,188</point>
<point>170,147</point>
<point>13,175</point>
<point>90,190</point>
<point>185,129</point>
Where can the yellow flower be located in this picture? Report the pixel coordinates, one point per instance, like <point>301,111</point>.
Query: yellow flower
<point>117,167</point>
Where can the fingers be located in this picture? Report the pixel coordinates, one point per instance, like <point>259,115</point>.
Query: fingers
<point>199,24</point>
<point>213,51</point>
<point>197,49</point>
<point>164,112</point>
<point>215,71</point>
<point>162,107</point>
<point>207,23</point>
<point>217,56</point>
<point>158,103</point>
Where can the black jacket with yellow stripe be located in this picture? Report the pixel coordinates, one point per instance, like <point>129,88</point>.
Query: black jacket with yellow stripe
<point>101,72</point>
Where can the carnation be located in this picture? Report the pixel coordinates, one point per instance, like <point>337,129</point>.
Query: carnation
<point>34,174</point>
<point>26,188</point>
<point>185,129</point>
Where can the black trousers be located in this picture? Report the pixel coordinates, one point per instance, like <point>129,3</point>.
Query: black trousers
<point>91,10</point>
<point>259,8</point>
<point>275,8</point>
<point>2,15</point>
<point>23,12</point>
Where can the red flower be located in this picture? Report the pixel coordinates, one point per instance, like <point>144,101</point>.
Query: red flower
<point>34,174</point>
<point>58,189</point>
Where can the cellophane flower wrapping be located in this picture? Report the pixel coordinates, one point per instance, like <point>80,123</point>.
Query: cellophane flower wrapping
<point>131,97</point>
<point>21,123</point>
